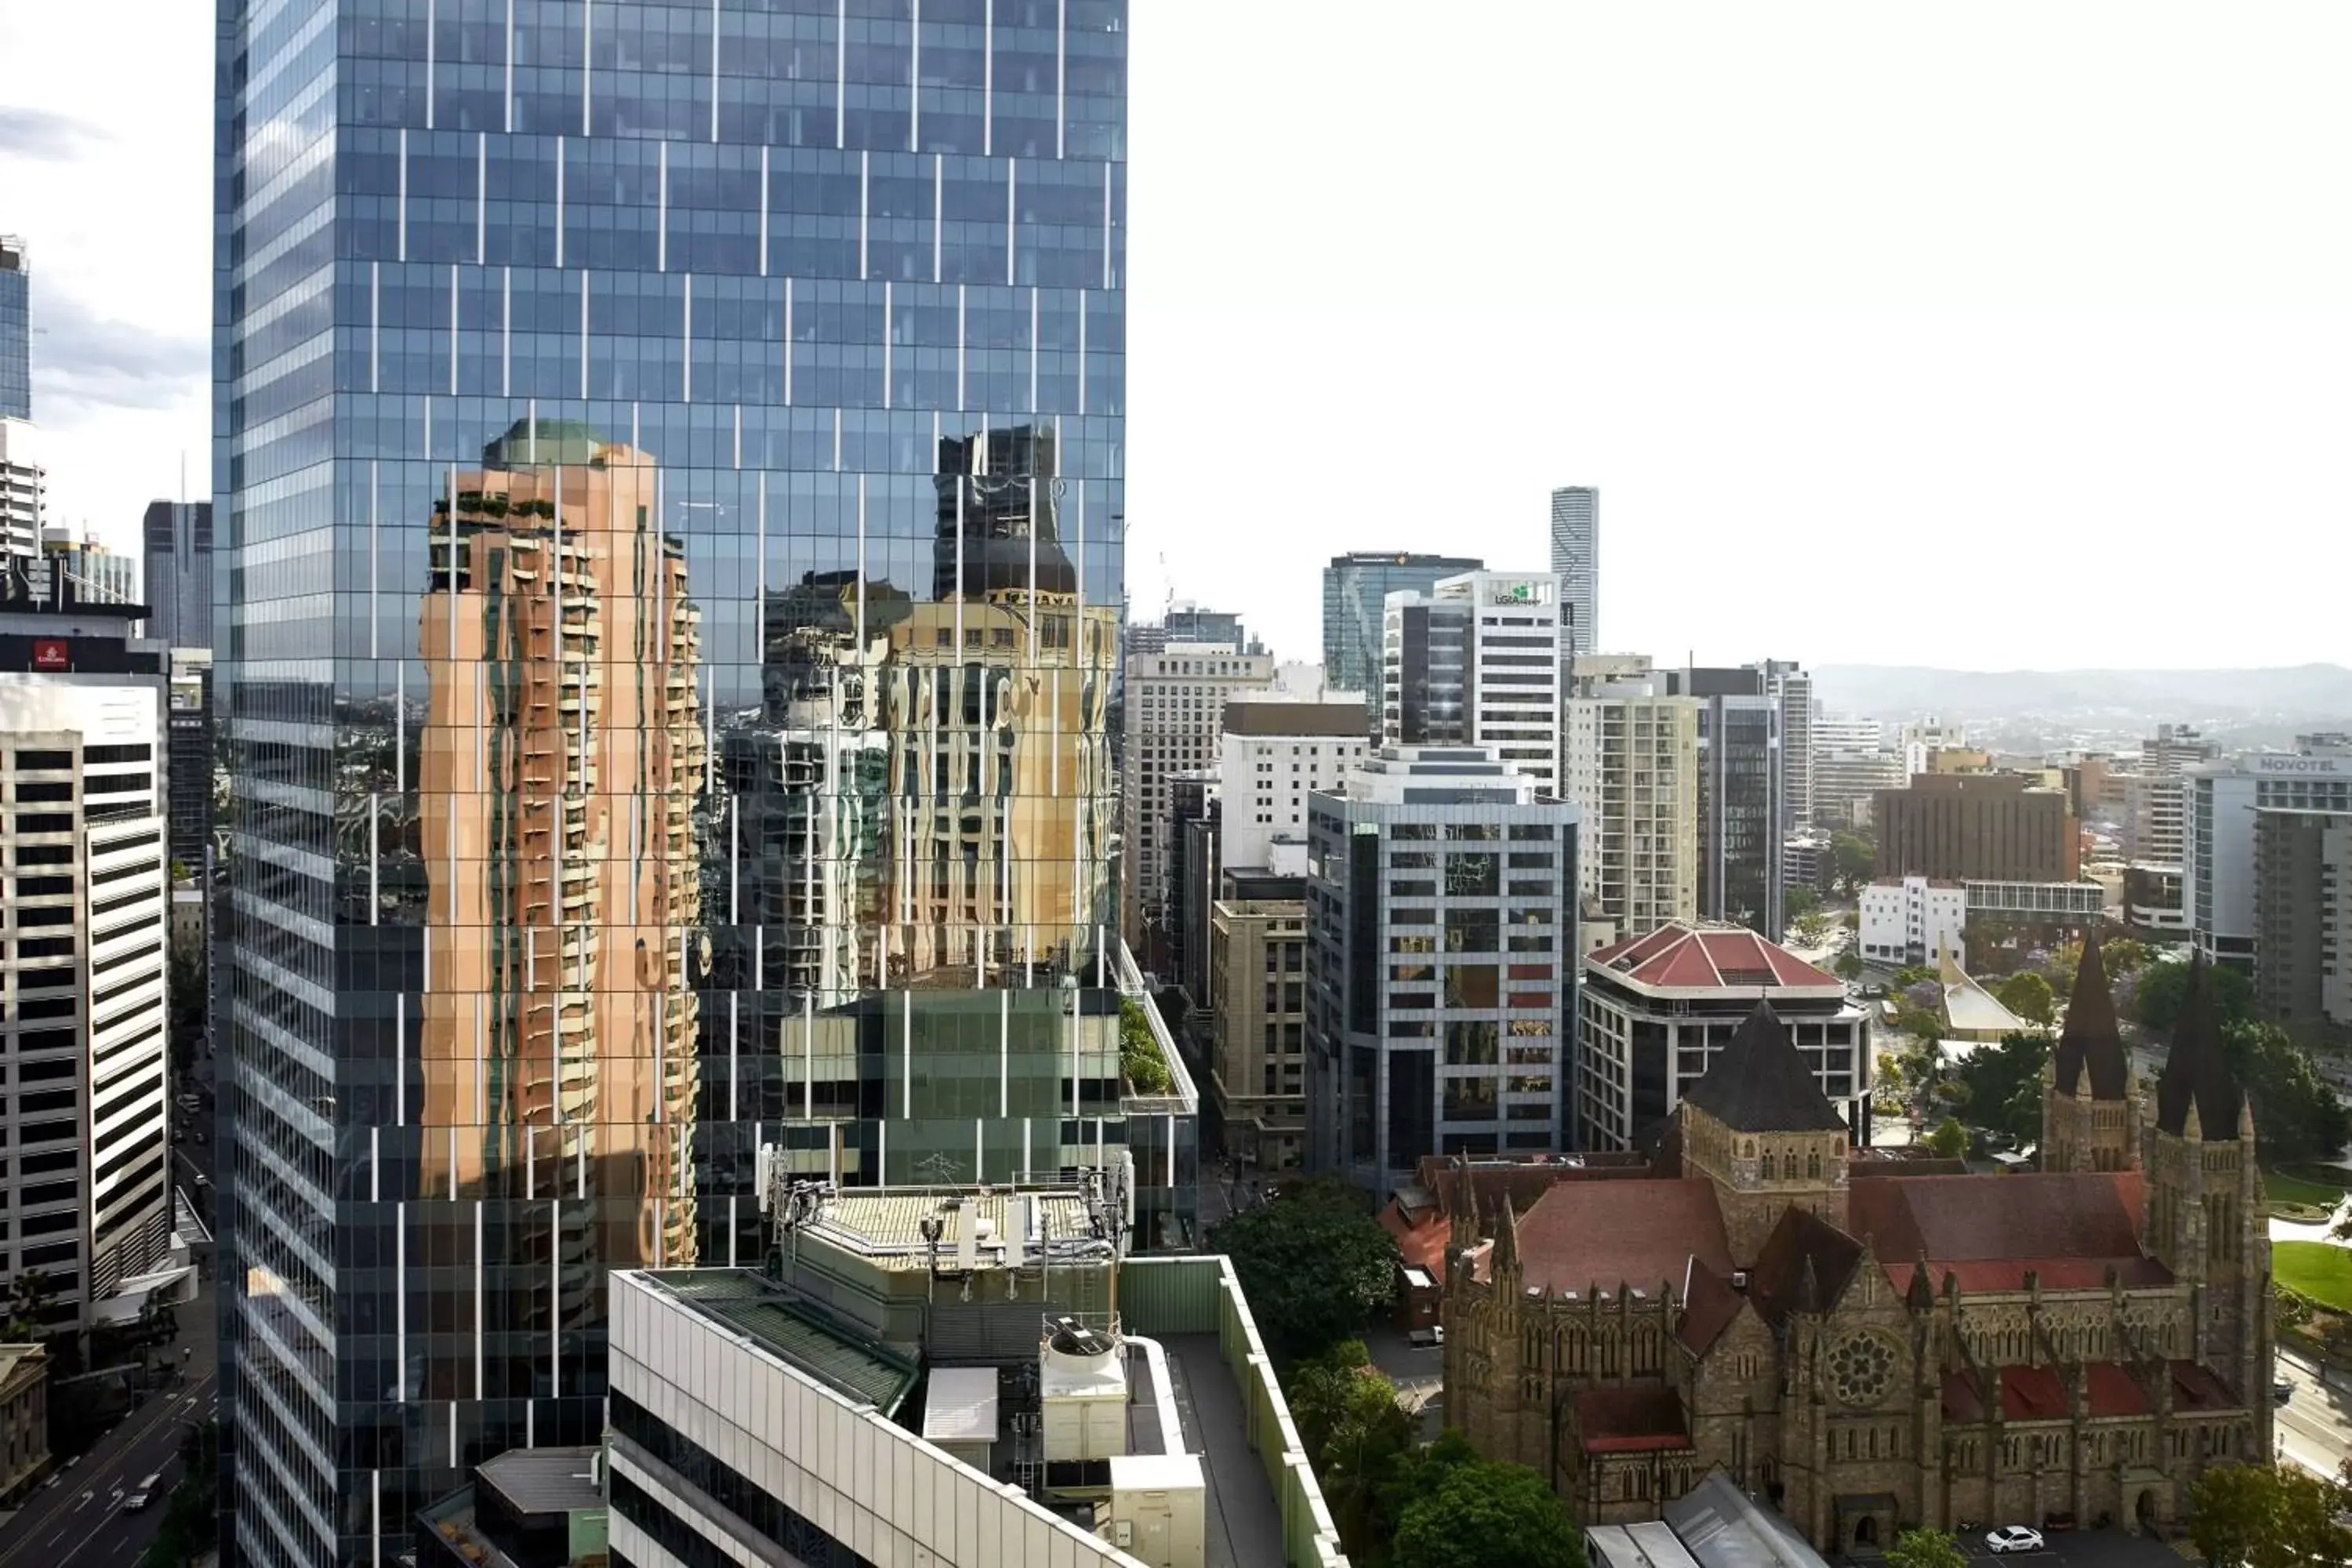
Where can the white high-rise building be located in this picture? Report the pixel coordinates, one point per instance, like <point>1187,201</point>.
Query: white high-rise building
<point>1476,661</point>
<point>1276,752</point>
<point>1576,561</point>
<point>1175,723</point>
<point>2223,798</point>
<point>84,1022</point>
<point>1787,682</point>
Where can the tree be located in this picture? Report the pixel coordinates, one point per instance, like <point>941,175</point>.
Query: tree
<point>2162,985</point>
<point>1949,1139</point>
<point>1849,963</point>
<point>1800,901</point>
<point>2297,1114</point>
<point>1487,1515</point>
<point>29,1301</point>
<point>2251,1516</point>
<point>1312,1263</point>
<point>1924,1548</point>
<point>1354,1432</point>
<point>2004,1083</point>
<point>2027,994</point>
<point>1854,859</point>
<point>1813,929</point>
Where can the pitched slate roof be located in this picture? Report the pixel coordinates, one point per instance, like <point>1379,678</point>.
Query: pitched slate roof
<point>1759,1083</point>
<point>1680,957</point>
<point>2197,1072</point>
<point>2069,1227</point>
<point>1710,1309</point>
<point>1802,1243</point>
<point>2091,1041</point>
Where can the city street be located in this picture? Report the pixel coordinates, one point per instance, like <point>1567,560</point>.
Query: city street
<point>78,1519</point>
<point>2315,1427</point>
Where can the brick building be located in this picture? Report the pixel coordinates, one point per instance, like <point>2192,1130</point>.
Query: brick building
<point>1994,827</point>
<point>1867,1349</point>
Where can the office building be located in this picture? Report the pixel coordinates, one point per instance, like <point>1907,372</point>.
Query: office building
<point>790,790</point>
<point>2156,814</point>
<point>179,571</point>
<point>15,329</point>
<point>2175,748</point>
<point>1356,588</point>
<point>1742,783</point>
<point>1196,815</point>
<point>1787,683</point>
<point>1190,623</point>
<point>23,494</point>
<point>1257,1000</point>
<point>2225,798</point>
<point>98,574</point>
<point>1920,739</point>
<point>1273,755</point>
<point>1441,1008</point>
<point>1851,762</point>
<point>1173,724</point>
<point>1908,921</point>
<point>1576,561</point>
<point>1474,661</point>
<point>1766,1290</point>
<point>82,1026</point>
<point>1656,1011</point>
<point>1632,774</point>
<point>1966,827</point>
<point>2302,921</point>
<point>967,1375</point>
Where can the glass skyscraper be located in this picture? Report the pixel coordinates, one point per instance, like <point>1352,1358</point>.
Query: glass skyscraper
<point>1355,588</point>
<point>16,331</point>
<point>670,490</point>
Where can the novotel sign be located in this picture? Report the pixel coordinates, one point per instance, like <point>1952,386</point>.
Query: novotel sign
<point>2299,764</point>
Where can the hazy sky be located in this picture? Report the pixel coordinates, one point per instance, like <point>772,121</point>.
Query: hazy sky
<point>2013,334</point>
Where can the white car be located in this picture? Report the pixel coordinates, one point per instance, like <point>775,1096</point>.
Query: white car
<point>2012,1538</point>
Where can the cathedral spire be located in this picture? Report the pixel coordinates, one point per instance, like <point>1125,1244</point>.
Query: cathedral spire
<point>2091,1047</point>
<point>2198,1073</point>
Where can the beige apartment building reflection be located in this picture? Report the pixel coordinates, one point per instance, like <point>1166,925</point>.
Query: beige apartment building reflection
<point>560,758</point>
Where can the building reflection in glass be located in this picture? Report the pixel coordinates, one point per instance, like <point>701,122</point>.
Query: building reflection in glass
<point>559,762</point>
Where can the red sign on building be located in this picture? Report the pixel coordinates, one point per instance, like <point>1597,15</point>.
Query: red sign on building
<point>50,653</point>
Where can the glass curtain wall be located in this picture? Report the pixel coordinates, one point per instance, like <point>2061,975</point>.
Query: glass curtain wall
<point>671,469</point>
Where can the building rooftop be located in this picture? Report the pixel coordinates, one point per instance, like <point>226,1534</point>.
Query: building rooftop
<point>1330,716</point>
<point>842,1360</point>
<point>1723,1527</point>
<point>1678,956</point>
<point>1758,1083</point>
<point>922,1228</point>
<point>532,1481</point>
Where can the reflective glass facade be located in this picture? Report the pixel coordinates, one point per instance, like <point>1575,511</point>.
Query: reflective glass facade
<point>15,332</point>
<point>1354,589</point>
<point>671,468</point>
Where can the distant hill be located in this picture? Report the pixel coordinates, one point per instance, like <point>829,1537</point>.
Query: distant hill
<point>2313,692</point>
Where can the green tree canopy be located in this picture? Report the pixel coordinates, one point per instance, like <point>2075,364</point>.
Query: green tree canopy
<point>1355,1433</point>
<point>1924,1548</point>
<point>1856,860</point>
<point>2162,985</point>
<point>2004,1083</point>
<point>1487,1515</point>
<point>2027,994</point>
<point>1949,1138</point>
<point>1849,963</point>
<point>2255,1516</point>
<point>1313,1264</point>
<point>2298,1113</point>
<point>1800,901</point>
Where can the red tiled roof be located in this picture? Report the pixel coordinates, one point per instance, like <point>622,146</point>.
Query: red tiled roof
<point>1643,1235</point>
<point>1681,957</point>
<point>2196,1387</point>
<point>2115,1392</point>
<point>1643,1418</point>
<point>1987,1232</point>
<point>2032,1393</point>
<point>1423,1232</point>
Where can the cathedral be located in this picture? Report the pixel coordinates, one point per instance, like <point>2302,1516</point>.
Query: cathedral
<point>1870,1342</point>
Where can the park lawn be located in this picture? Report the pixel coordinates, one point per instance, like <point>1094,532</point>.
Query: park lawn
<point>2319,1269</point>
<point>2283,1188</point>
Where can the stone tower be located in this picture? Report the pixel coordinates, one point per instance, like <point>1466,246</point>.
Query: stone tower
<point>2090,1104</point>
<point>2207,1219</point>
<point>1760,1127</point>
